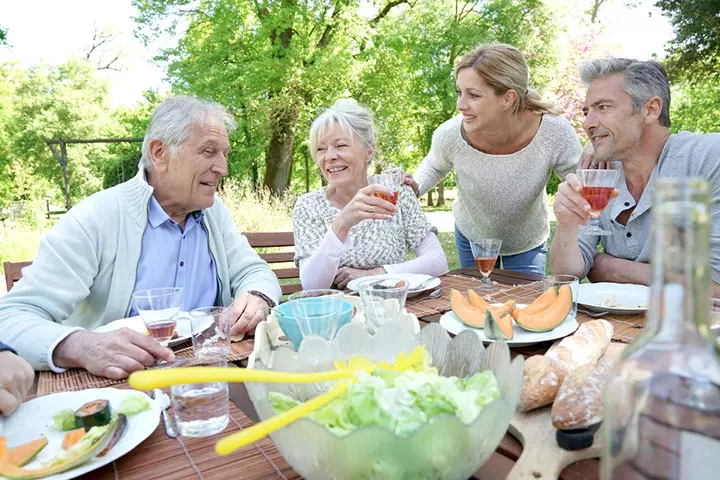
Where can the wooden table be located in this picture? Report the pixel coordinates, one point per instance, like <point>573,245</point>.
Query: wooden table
<point>161,457</point>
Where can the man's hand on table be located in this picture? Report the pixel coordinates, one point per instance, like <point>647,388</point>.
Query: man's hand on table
<point>113,355</point>
<point>247,311</point>
<point>16,379</point>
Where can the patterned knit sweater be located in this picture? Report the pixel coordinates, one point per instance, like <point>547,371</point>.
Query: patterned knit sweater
<point>502,196</point>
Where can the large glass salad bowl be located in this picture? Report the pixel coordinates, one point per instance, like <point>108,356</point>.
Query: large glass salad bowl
<point>444,447</point>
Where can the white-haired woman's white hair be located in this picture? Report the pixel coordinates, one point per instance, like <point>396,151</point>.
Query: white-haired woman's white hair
<point>355,120</point>
<point>173,121</point>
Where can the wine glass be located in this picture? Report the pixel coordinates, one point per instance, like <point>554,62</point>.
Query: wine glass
<point>158,308</point>
<point>598,185</point>
<point>392,179</point>
<point>485,253</point>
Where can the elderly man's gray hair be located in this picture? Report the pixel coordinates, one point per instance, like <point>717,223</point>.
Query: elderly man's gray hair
<point>173,121</point>
<point>643,80</point>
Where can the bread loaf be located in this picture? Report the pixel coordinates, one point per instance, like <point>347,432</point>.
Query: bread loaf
<point>544,374</point>
<point>579,402</point>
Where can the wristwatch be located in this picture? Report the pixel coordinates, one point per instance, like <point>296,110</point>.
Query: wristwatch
<point>267,299</point>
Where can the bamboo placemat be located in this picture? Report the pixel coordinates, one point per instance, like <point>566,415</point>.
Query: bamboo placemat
<point>77,379</point>
<point>422,306</point>
<point>161,457</point>
<point>627,328</point>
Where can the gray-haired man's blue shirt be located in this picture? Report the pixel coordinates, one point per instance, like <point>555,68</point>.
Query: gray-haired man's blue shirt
<point>684,155</point>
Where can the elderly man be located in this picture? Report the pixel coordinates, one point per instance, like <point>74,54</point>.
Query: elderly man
<point>163,228</point>
<point>628,121</point>
<point>16,379</point>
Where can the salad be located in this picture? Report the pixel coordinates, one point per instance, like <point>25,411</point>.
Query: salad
<point>400,401</point>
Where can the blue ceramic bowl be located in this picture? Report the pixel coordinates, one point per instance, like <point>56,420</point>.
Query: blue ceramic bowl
<point>289,326</point>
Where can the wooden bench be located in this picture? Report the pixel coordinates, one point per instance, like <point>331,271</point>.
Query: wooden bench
<point>13,272</point>
<point>266,240</point>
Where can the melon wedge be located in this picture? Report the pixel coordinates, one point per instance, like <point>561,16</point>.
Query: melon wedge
<point>22,454</point>
<point>498,328</point>
<point>476,300</point>
<point>549,317</point>
<point>543,301</point>
<point>469,315</point>
<point>76,457</point>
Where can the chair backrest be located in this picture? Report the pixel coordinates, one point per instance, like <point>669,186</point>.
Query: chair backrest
<point>285,273</point>
<point>13,272</point>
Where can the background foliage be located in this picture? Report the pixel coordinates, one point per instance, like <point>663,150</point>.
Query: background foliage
<point>276,63</point>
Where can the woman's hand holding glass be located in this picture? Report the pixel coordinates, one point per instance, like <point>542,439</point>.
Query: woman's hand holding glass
<point>364,206</point>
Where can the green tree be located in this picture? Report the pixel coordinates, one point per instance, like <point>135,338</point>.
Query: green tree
<point>696,106</point>
<point>694,53</point>
<point>65,101</point>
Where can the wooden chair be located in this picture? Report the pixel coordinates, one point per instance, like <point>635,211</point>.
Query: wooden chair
<point>13,272</point>
<point>264,240</point>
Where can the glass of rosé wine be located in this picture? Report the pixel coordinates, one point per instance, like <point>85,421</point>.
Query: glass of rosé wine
<point>598,186</point>
<point>158,308</point>
<point>393,179</point>
<point>485,252</point>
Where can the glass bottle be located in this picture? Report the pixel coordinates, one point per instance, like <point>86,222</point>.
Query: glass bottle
<point>662,401</point>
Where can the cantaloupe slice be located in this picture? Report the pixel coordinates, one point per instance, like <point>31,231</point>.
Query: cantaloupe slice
<point>549,317</point>
<point>476,300</point>
<point>498,328</point>
<point>471,316</point>
<point>22,454</point>
<point>540,303</point>
<point>3,449</point>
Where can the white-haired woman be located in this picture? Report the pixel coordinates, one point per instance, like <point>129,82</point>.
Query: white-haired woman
<point>504,146</point>
<point>342,231</point>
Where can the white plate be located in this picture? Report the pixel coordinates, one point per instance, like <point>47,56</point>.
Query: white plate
<point>630,298</point>
<point>450,322</point>
<point>33,419</point>
<point>414,279</point>
<point>182,327</point>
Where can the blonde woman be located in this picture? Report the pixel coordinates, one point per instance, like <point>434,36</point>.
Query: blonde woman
<point>504,145</point>
<point>343,231</point>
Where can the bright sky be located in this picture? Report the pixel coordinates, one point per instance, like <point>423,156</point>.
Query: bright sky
<point>52,31</point>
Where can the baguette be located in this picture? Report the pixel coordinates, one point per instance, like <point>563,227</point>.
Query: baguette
<point>579,403</point>
<point>544,374</point>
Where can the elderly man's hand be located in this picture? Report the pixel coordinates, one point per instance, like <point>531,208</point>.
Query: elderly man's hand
<point>247,310</point>
<point>113,355</point>
<point>345,275</point>
<point>16,379</point>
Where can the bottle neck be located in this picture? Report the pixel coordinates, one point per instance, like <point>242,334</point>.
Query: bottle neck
<point>680,306</point>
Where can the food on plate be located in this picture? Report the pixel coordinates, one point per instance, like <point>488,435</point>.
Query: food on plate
<point>544,374</point>
<point>498,328</point>
<point>400,401</point>
<point>543,301</point>
<point>64,420</point>
<point>92,443</point>
<point>93,414</point>
<point>579,402</point>
<point>610,301</point>
<point>549,317</point>
<point>133,404</point>
<point>24,453</point>
<point>472,311</point>
<point>121,425</point>
<point>72,437</point>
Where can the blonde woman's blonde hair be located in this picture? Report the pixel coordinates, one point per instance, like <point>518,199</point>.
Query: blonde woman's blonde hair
<point>504,68</point>
<point>355,120</point>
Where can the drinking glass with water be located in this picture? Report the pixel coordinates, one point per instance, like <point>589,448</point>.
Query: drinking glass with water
<point>317,312</point>
<point>201,409</point>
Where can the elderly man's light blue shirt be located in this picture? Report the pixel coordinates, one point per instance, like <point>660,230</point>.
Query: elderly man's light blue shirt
<point>173,257</point>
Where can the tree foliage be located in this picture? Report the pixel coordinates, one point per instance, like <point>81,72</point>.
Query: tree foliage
<point>275,63</point>
<point>694,54</point>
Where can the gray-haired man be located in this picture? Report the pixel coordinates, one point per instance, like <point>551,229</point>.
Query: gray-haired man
<point>627,110</point>
<point>163,228</point>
